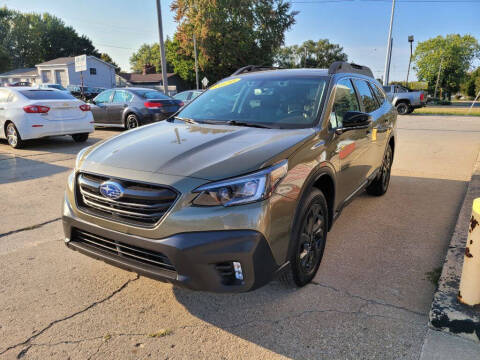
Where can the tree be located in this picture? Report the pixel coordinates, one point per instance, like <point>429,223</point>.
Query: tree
<point>105,57</point>
<point>4,61</point>
<point>230,34</point>
<point>471,85</point>
<point>311,54</point>
<point>30,38</point>
<point>149,55</point>
<point>454,53</point>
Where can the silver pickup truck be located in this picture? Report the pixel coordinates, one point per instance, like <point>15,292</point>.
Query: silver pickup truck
<point>404,100</point>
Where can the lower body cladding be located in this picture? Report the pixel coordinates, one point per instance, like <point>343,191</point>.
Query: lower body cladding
<point>217,261</point>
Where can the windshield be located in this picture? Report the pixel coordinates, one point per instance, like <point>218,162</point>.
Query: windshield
<point>149,94</point>
<point>46,95</point>
<point>287,102</point>
<point>56,86</point>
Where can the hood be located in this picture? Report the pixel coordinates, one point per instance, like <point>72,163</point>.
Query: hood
<point>210,152</point>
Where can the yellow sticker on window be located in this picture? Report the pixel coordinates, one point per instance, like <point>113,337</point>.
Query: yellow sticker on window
<point>374,135</point>
<point>225,83</point>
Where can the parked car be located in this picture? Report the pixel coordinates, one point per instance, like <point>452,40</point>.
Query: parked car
<point>58,87</point>
<point>242,185</point>
<point>84,93</point>
<point>18,83</point>
<point>132,107</point>
<point>31,113</point>
<point>187,96</point>
<point>404,100</point>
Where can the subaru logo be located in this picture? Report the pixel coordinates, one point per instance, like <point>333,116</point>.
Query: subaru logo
<point>111,190</point>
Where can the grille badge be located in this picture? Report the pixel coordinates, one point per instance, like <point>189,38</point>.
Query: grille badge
<point>112,190</point>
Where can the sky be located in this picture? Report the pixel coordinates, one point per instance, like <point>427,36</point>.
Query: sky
<point>120,27</point>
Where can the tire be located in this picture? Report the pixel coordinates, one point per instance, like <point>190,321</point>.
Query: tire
<point>410,110</point>
<point>13,136</point>
<point>131,122</point>
<point>80,138</point>
<point>402,108</point>
<point>309,236</point>
<point>379,186</point>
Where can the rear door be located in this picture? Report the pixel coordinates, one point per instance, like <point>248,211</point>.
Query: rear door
<point>3,108</point>
<point>349,147</point>
<point>377,133</point>
<point>99,110</point>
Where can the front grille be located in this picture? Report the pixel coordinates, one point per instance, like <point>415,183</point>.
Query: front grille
<point>141,204</point>
<point>123,250</point>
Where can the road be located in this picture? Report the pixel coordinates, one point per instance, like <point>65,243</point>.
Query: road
<point>369,300</point>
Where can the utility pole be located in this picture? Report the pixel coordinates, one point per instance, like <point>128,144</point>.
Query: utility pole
<point>410,40</point>
<point>162,49</point>
<point>386,74</point>
<point>196,60</point>
<point>438,77</point>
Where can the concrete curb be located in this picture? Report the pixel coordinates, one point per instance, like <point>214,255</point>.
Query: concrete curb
<point>447,314</point>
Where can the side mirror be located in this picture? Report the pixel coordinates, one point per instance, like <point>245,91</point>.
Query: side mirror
<point>355,119</point>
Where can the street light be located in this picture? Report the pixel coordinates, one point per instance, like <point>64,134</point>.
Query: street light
<point>386,74</point>
<point>410,40</point>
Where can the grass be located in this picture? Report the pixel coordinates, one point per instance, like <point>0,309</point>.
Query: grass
<point>432,110</point>
<point>161,333</point>
<point>434,275</point>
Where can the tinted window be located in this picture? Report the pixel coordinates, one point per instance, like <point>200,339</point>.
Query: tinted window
<point>152,95</point>
<point>182,96</point>
<point>121,97</point>
<point>345,101</point>
<point>104,97</point>
<point>379,93</point>
<point>46,95</point>
<point>289,102</point>
<point>387,89</point>
<point>366,96</point>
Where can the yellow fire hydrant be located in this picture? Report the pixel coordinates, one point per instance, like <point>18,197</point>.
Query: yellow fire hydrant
<point>470,282</point>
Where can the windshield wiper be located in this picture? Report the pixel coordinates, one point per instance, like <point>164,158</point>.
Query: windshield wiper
<point>235,123</point>
<point>186,120</point>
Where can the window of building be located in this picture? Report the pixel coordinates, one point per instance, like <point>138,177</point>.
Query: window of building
<point>93,71</point>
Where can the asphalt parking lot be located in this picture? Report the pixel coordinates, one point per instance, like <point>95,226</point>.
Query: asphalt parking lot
<point>369,300</point>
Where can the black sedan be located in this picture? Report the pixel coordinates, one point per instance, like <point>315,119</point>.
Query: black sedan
<point>132,107</point>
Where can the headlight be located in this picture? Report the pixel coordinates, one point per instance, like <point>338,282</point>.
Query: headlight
<point>79,156</point>
<point>242,190</point>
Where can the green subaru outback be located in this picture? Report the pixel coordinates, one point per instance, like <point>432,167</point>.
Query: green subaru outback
<point>242,185</point>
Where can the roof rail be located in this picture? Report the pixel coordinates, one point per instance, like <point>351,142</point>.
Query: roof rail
<point>253,68</point>
<point>343,67</point>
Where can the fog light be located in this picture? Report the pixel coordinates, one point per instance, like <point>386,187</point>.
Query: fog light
<point>238,270</point>
<point>67,239</point>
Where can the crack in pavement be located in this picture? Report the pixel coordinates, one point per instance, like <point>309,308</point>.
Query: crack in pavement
<point>70,316</point>
<point>368,301</point>
<point>33,227</point>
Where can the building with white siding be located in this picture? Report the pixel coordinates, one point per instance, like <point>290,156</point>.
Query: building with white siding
<point>62,71</point>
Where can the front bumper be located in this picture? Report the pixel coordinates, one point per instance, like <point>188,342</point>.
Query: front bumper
<point>195,256</point>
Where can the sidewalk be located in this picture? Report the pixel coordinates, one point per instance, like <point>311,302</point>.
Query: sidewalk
<point>454,328</point>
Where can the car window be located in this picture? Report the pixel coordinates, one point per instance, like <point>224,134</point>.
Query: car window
<point>279,102</point>
<point>379,93</point>
<point>104,97</point>
<point>345,101</point>
<point>121,97</point>
<point>3,96</point>
<point>46,95</point>
<point>152,95</point>
<point>182,96</point>
<point>366,96</point>
<point>195,94</point>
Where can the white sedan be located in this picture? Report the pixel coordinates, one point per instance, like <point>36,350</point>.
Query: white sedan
<point>31,113</point>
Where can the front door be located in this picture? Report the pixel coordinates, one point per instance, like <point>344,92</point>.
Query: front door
<point>350,147</point>
<point>116,108</point>
<point>100,107</point>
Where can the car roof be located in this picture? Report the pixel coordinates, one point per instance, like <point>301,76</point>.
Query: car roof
<point>285,72</point>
